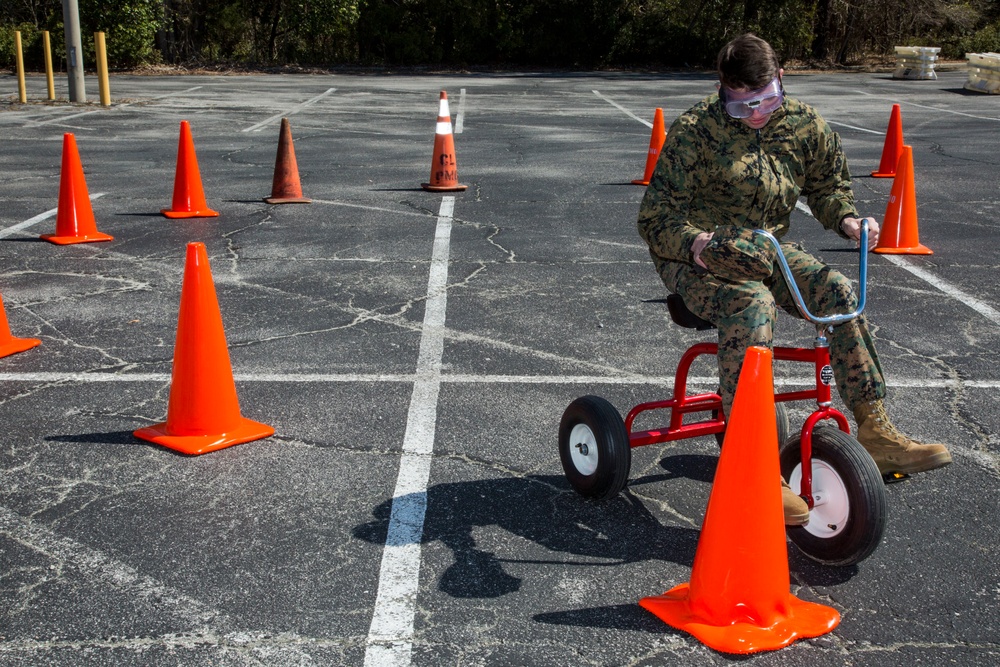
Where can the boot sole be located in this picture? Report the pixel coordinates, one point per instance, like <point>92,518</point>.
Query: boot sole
<point>931,463</point>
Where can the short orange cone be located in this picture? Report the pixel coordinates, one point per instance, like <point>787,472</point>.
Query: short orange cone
<point>75,217</point>
<point>655,145</point>
<point>899,235</point>
<point>203,413</point>
<point>893,146</point>
<point>444,166</point>
<point>738,600</point>
<point>285,187</point>
<point>189,196</point>
<point>9,344</point>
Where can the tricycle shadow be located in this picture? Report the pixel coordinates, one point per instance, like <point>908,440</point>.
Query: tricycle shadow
<point>544,510</point>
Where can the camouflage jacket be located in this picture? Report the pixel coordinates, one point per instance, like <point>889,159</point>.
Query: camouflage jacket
<point>715,170</point>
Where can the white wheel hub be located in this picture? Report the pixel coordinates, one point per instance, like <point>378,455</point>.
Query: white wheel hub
<point>583,449</point>
<point>832,507</point>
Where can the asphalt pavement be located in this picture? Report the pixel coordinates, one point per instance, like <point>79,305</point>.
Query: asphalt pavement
<point>414,352</point>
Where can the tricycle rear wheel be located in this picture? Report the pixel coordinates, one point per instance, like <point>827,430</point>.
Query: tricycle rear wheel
<point>594,448</point>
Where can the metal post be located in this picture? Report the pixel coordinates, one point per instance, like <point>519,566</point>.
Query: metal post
<point>22,94</point>
<point>102,69</point>
<point>46,44</point>
<point>74,51</point>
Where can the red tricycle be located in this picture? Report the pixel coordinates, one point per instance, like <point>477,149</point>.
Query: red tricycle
<point>823,463</point>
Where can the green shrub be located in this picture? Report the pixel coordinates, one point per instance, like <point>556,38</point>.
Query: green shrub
<point>986,40</point>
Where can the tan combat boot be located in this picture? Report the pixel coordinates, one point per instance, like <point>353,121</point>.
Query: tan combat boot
<point>796,509</point>
<point>894,452</point>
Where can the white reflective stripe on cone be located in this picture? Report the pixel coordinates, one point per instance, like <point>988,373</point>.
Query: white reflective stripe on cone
<point>444,108</point>
<point>443,127</point>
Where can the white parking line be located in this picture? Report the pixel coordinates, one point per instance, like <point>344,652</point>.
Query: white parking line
<point>853,127</point>
<point>59,119</point>
<point>7,231</point>
<point>51,377</point>
<point>460,114</point>
<point>972,302</point>
<point>284,114</point>
<point>390,637</point>
<point>925,106</point>
<point>623,109</point>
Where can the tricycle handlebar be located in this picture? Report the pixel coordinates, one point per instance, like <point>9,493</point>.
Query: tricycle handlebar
<point>800,303</point>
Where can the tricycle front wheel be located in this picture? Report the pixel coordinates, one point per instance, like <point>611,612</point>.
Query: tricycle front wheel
<point>594,448</point>
<point>849,515</point>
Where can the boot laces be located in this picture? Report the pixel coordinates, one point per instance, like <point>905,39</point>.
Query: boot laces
<point>881,417</point>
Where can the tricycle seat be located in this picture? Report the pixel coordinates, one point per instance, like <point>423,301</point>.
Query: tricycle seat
<point>681,316</point>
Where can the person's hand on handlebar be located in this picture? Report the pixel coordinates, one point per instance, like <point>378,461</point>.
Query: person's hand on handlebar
<point>852,227</point>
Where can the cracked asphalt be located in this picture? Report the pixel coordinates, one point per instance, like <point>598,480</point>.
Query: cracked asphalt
<point>114,551</point>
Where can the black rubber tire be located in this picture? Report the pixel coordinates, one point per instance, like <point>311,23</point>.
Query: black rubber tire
<point>601,472</point>
<point>780,415</point>
<point>854,488</point>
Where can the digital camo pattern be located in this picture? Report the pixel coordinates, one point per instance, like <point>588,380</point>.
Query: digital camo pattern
<point>736,253</point>
<point>745,312</point>
<point>715,171</point>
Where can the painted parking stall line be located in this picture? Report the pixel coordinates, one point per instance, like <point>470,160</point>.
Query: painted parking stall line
<point>46,377</point>
<point>972,302</point>
<point>622,109</point>
<point>390,637</point>
<point>944,286</point>
<point>460,114</point>
<point>60,119</point>
<point>284,114</point>
<point>41,217</point>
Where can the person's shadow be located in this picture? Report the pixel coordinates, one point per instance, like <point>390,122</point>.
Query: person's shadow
<point>542,509</point>
<point>545,510</point>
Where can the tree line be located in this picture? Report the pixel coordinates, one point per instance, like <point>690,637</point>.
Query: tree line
<point>495,33</point>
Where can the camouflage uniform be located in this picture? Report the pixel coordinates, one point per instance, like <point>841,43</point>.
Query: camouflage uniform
<point>714,170</point>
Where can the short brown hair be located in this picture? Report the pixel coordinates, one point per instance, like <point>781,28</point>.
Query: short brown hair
<point>747,62</point>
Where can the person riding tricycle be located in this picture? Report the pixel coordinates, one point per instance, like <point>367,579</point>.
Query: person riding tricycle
<point>740,160</point>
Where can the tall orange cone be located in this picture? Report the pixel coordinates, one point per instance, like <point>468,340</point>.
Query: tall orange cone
<point>656,140</point>
<point>203,413</point>
<point>893,146</point>
<point>444,165</point>
<point>285,187</point>
<point>738,599</point>
<point>899,235</point>
<point>75,217</point>
<point>9,344</point>
<point>189,196</point>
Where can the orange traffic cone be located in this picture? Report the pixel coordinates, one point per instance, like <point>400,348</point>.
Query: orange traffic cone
<point>74,217</point>
<point>285,187</point>
<point>655,144</point>
<point>738,600</point>
<point>9,344</point>
<point>203,413</point>
<point>893,146</point>
<point>189,197</point>
<point>899,234</point>
<point>444,166</point>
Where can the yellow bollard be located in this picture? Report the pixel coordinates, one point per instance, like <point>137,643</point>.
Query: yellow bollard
<point>102,69</point>
<point>48,65</point>
<point>21,92</point>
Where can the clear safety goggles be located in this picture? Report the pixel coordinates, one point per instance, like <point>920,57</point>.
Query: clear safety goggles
<point>763,100</point>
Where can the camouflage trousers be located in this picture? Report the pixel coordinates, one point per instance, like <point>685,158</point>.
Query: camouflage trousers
<point>745,312</point>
